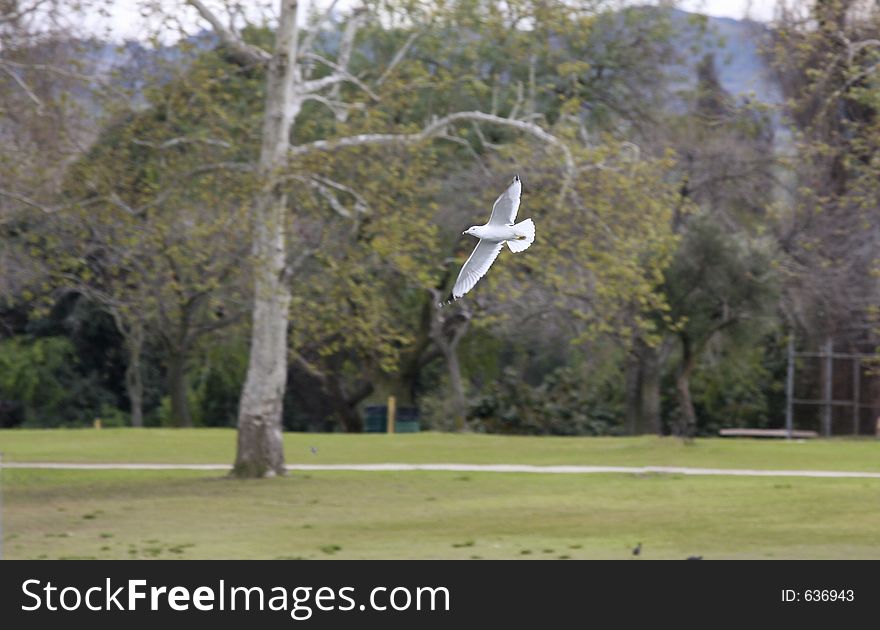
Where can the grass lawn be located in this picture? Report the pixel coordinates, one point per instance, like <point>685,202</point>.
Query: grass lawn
<point>190,514</point>
<point>217,446</point>
<point>181,514</point>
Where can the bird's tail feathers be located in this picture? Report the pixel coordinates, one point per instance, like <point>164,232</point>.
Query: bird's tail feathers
<point>451,299</point>
<point>526,231</point>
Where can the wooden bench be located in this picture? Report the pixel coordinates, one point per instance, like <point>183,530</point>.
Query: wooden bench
<point>766,433</point>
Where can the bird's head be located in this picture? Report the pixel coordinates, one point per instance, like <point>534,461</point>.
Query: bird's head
<point>471,231</point>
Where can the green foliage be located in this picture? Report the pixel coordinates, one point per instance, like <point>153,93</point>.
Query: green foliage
<point>554,58</point>
<point>367,272</point>
<point>29,371</point>
<point>565,403</point>
<point>612,239</point>
<point>155,226</point>
<point>154,218</point>
<point>736,388</point>
<point>112,417</point>
<point>40,375</point>
<point>218,384</point>
<point>164,417</point>
<point>720,282</point>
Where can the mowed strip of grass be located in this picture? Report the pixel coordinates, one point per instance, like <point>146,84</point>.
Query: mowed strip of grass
<point>325,515</point>
<point>198,446</point>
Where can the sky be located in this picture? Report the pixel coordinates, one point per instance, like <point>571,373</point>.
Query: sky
<point>124,20</point>
<point>759,10</point>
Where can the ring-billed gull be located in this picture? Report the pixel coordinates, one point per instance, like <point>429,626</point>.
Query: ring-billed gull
<point>500,229</point>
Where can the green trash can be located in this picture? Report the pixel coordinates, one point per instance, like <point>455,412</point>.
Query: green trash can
<point>407,420</point>
<point>376,419</point>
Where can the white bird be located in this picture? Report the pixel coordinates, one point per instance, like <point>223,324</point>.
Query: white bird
<point>500,229</point>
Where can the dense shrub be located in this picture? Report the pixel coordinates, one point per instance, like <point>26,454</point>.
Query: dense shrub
<point>565,403</point>
<point>40,386</point>
<point>735,386</point>
<point>218,385</point>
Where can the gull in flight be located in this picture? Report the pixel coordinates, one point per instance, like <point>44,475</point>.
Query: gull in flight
<point>500,229</point>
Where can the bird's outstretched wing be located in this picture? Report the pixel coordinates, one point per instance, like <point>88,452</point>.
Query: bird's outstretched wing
<point>504,210</point>
<point>477,265</point>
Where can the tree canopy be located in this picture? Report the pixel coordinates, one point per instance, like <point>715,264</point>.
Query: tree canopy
<point>259,219</point>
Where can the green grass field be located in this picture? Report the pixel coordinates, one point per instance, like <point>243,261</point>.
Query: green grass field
<point>185,514</point>
<point>217,446</point>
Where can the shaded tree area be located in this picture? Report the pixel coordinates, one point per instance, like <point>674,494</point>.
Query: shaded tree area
<point>256,233</point>
<point>826,58</point>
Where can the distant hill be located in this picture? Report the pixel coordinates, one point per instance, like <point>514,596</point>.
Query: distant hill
<point>737,47</point>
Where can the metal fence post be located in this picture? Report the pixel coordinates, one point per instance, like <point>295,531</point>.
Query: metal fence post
<point>828,386</point>
<point>857,394</point>
<point>789,389</point>
<point>1,505</point>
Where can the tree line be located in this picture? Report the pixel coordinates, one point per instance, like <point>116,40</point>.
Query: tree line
<point>252,226</point>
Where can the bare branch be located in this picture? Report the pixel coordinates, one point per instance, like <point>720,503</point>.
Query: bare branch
<point>181,140</point>
<point>339,108</point>
<point>325,186</point>
<point>315,85</point>
<point>330,198</point>
<point>26,201</point>
<point>27,90</point>
<point>852,48</point>
<point>438,128</point>
<point>633,148</point>
<point>532,85</point>
<point>308,367</point>
<point>469,147</point>
<point>244,53</point>
<point>483,140</point>
<point>361,206</point>
<point>117,201</point>
<point>82,203</point>
<point>244,167</point>
<point>309,41</point>
<point>398,57</point>
<point>520,99</point>
<point>339,76</point>
<point>107,301</point>
<point>62,72</point>
<point>346,45</point>
<point>180,180</point>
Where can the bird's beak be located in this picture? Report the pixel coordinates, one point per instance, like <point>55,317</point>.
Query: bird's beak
<point>463,233</point>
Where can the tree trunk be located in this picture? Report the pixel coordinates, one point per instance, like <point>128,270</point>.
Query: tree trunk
<point>134,384</point>
<point>643,389</point>
<point>456,385</point>
<point>688,421</point>
<point>350,418</point>
<point>633,392</point>
<point>346,405</point>
<point>650,393</point>
<point>447,330</point>
<point>260,448</point>
<point>177,390</point>
<point>401,384</point>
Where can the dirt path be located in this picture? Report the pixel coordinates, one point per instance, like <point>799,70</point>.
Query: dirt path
<point>495,468</point>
